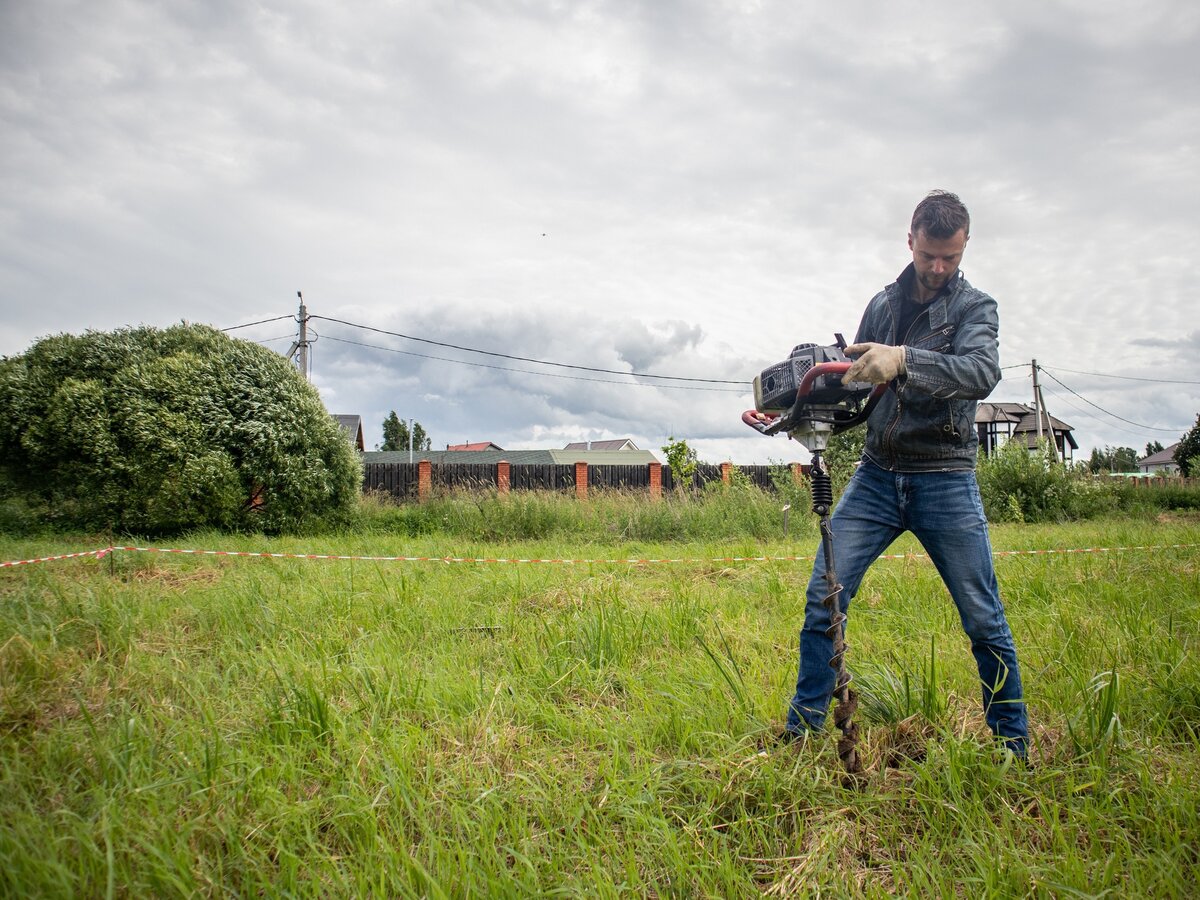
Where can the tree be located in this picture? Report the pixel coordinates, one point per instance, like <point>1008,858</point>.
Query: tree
<point>681,459</point>
<point>842,455</point>
<point>156,431</point>
<point>1187,454</point>
<point>1113,459</point>
<point>1124,459</point>
<point>1153,447</point>
<point>395,434</point>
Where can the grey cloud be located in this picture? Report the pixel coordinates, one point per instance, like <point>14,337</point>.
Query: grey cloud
<point>644,349</point>
<point>1187,345</point>
<point>714,182</point>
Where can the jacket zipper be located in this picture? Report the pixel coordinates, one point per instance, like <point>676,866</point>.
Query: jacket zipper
<point>891,429</point>
<point>888,443</point>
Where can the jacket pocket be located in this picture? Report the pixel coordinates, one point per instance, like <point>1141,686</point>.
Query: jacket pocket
<point>956,425</point>
<point>940,341</point>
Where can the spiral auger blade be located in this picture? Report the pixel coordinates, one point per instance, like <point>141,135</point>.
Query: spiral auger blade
<point>845,698</point>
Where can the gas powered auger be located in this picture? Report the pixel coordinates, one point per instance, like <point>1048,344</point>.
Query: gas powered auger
<point>804,397</point>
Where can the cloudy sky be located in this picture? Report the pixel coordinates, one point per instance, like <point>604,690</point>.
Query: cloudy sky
<point>658,187</point>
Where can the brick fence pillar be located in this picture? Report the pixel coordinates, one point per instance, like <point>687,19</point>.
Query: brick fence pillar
<point>424,480</point>
<point>502,477</point>
<point>726,469</point>
<point>581,480</point>
<point>797,473</point>
<point>655,481</point>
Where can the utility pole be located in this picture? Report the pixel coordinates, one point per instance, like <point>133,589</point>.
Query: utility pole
<point>1039,406</point>
<point>301,343</point>
<point>1037,402</point>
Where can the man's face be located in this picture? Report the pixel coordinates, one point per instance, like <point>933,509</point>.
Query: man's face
<point>935,261</point>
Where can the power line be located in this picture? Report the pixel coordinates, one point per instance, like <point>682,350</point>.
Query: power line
<point>1105,411</point>
<point>1126,377</point>
<point>259,322</point>
<point>1083,411</point>
<point>673,387</point>
<point>540,362</point>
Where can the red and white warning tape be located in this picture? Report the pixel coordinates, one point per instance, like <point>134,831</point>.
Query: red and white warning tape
<point>101,553</point>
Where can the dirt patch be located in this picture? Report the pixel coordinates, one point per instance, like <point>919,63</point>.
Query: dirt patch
<point>175,578</point>
<point>907,742</point>
<point>1178,516</point>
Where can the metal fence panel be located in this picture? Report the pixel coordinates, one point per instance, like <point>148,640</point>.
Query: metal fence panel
<point>399,480</point>
<point>466,476</point>
<point>396,479</point>
<point>531,477</point>
<point>619,477</point>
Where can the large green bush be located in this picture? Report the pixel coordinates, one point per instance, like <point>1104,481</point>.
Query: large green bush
<point>157,431</point>
<point>1020,486</point>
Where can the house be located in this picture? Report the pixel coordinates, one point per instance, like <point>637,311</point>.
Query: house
<point>352,425</point>
<point>472,448</point>
<point>1161,462</point>
<point>998,423</point>
<point>619,444</point>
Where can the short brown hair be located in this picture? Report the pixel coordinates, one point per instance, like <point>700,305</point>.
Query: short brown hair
<point>941,215</point>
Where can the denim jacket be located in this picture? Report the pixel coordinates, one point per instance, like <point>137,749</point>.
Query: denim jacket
<point>925,422</point>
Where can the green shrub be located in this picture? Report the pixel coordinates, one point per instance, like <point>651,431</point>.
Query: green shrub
<point>1020,486</point>
<point>161,431</point>
<point>1167,496</point>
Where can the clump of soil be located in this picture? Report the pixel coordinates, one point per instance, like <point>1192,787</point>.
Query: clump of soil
<point>908,740</point>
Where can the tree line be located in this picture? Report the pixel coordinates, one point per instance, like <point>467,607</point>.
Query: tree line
<point>1125,459</point>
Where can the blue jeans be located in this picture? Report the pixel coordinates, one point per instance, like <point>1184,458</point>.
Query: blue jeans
<point>943,510</point>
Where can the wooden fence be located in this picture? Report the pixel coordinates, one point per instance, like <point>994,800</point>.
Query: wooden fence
<point>419,480</point>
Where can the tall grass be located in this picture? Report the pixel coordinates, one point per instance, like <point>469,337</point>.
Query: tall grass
<point>175,726</point>
<point>716,513</point>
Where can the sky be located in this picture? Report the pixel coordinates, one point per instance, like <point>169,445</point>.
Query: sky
<point>661,188</point>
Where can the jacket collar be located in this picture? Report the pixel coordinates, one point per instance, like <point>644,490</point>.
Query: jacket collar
<point>939,306</point>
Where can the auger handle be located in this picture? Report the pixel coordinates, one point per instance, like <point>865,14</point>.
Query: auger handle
<point>829,368</point>
<point>759,421</point>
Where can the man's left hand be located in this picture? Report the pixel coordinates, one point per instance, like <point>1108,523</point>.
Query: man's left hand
<point>876,363</point>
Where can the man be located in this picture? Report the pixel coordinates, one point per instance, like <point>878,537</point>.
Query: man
<point>932,338</point>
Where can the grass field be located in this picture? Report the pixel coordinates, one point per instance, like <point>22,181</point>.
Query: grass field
<point>181,725</point>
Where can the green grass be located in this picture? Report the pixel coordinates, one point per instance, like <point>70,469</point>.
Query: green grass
<point>181,725</point>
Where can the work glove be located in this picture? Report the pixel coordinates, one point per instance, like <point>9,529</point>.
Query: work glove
<point>876,363</point>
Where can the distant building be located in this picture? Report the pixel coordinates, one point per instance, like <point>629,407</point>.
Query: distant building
<point>1161,462</point>
<point>352,425</point>
<point>998,423</point>
<point>618,444</point>
<point>472,448</point>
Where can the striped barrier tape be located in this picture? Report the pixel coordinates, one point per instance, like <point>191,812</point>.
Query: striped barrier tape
<point>101,553</point>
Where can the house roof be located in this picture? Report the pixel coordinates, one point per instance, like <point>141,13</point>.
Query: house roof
<point>352,425</point>
<point>472,448</point>
<point>1000,412</point>
<point>617,444</point>
<point>1024,420</point>
<point>517,457</point>
<point>1161,458</point>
